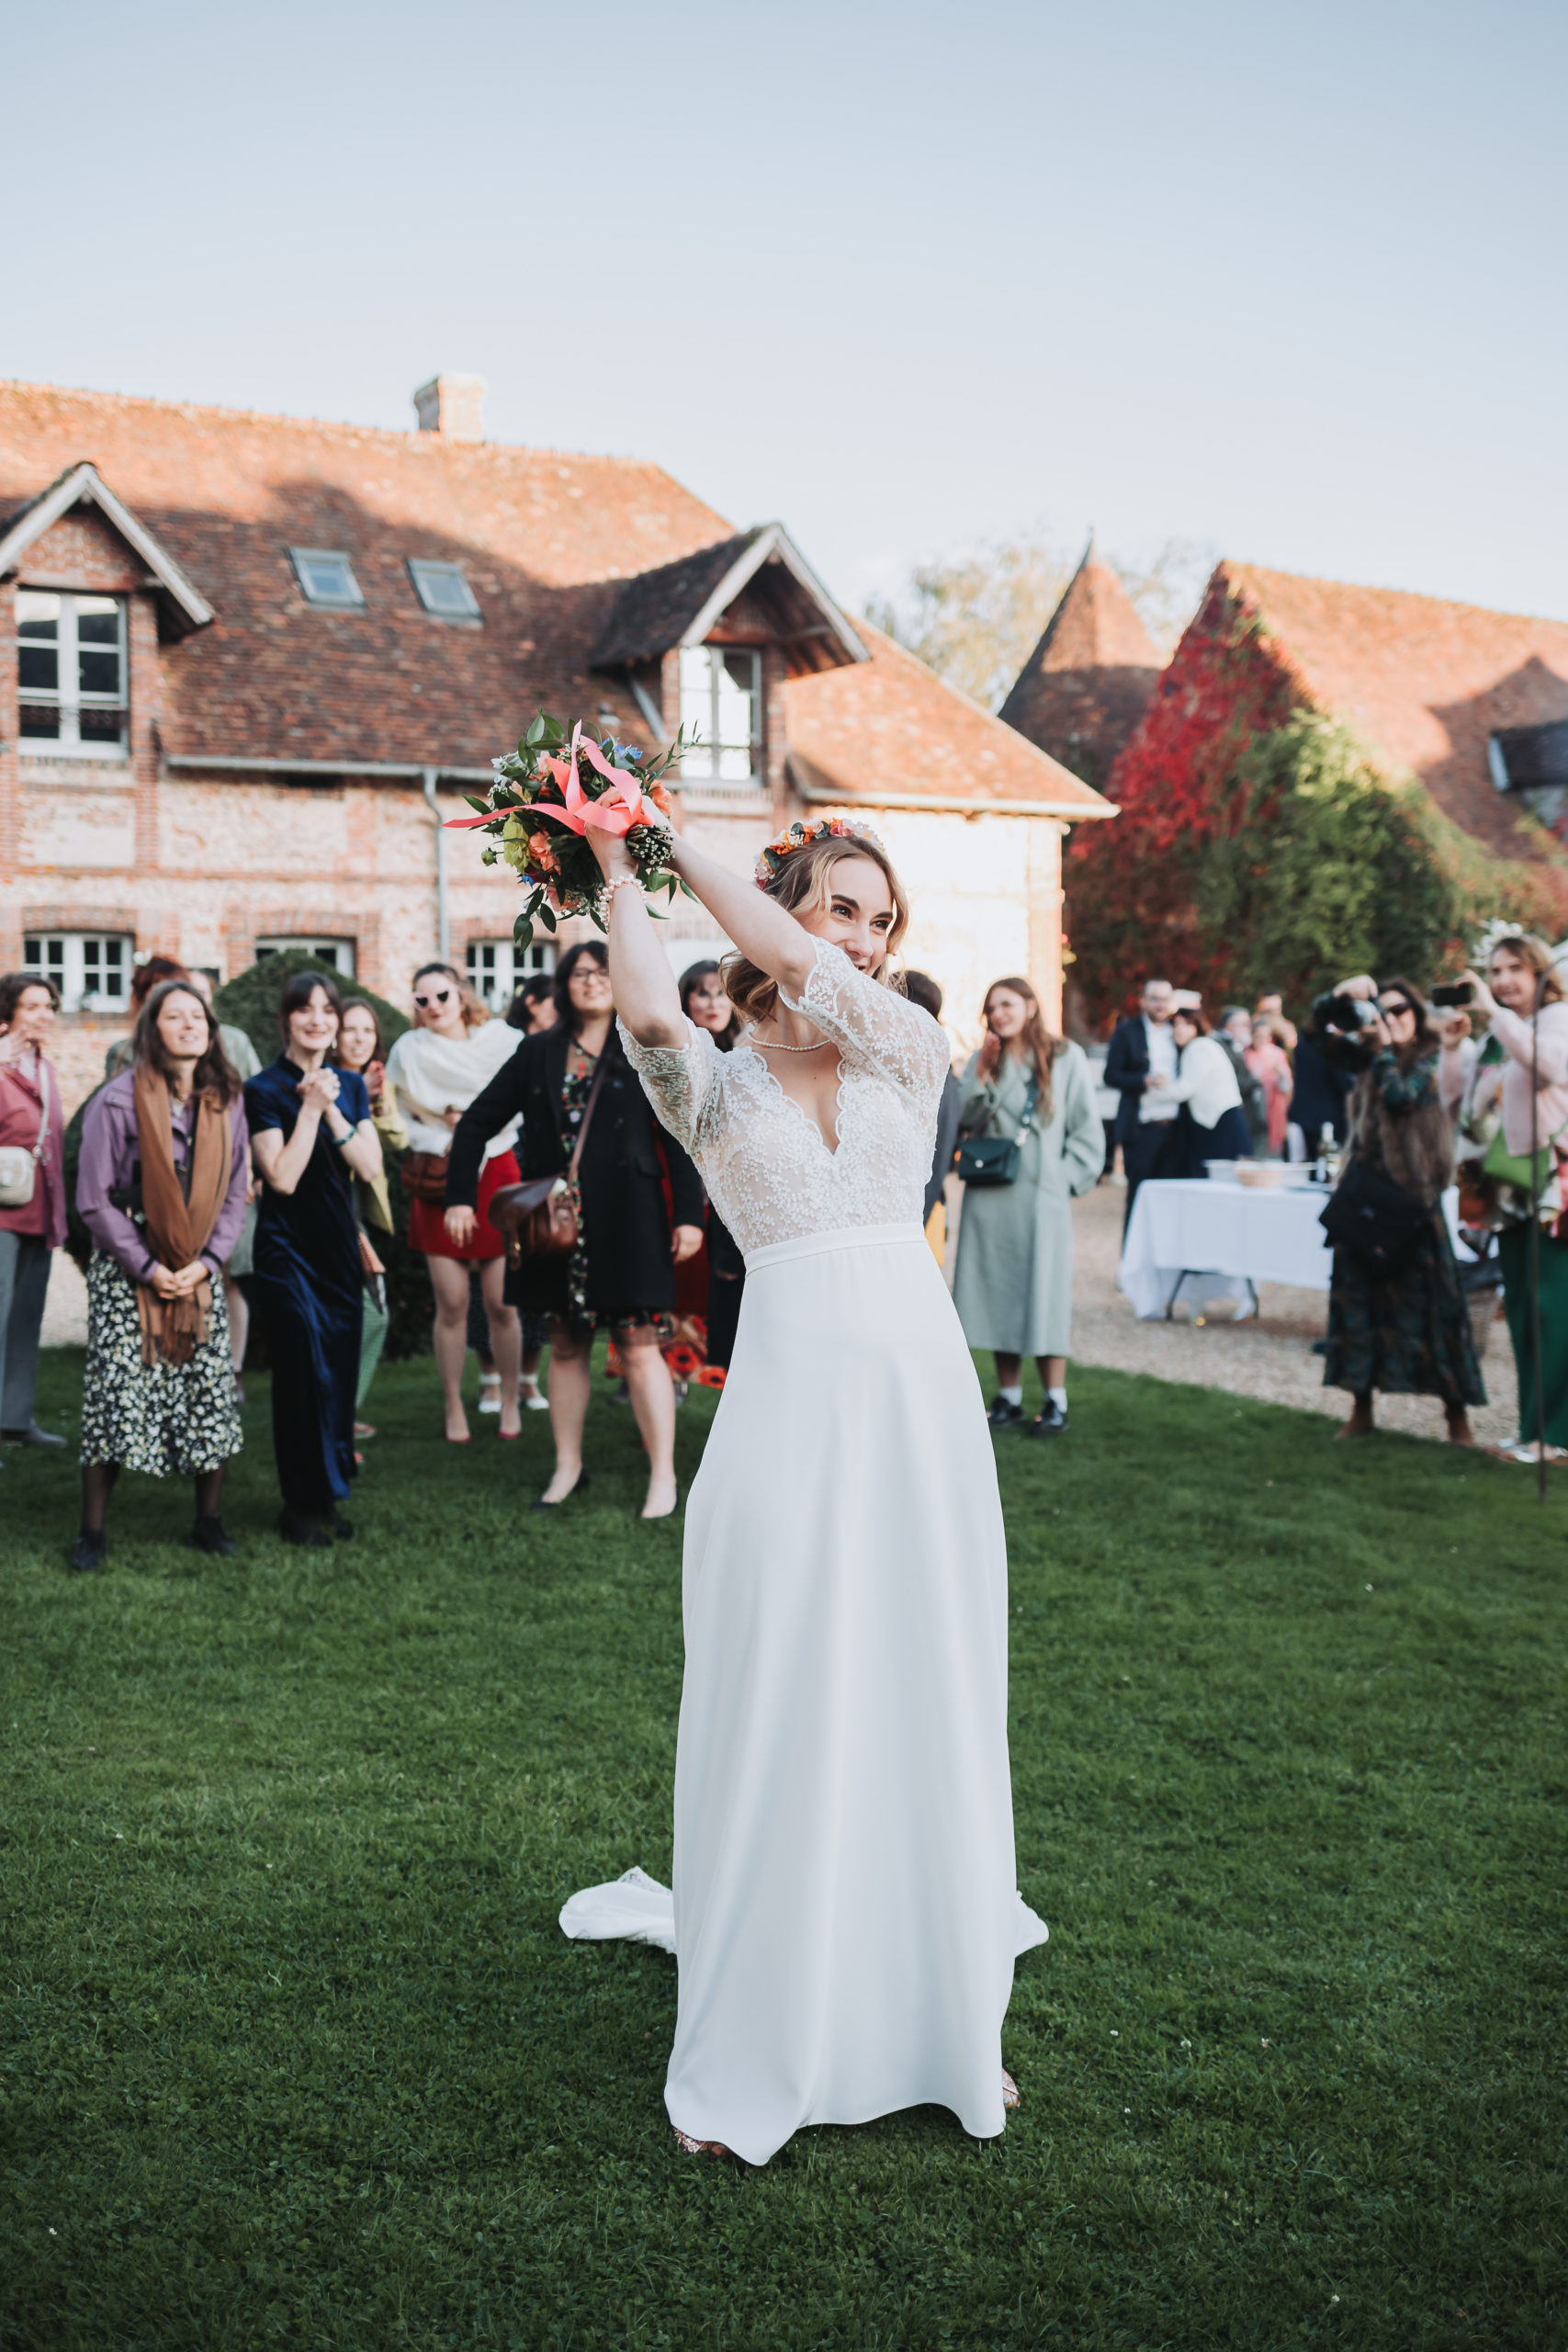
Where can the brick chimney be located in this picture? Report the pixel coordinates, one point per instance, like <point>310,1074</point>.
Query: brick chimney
<point>453,405</point>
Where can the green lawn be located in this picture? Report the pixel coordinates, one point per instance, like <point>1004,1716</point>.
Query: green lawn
<point>295,2053</point>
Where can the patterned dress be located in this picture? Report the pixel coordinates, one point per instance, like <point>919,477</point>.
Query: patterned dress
<point>1407,1332</point>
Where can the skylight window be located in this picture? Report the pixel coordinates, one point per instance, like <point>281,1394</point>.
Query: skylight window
<point>442,589</point>
<point>327,578</point>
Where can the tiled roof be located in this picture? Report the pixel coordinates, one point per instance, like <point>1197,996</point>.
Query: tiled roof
<point>1422,681</point>
<point>653,611</point>
<point>761,571</point>
<point>1089,680</point>
<point>548,542</point>
<point>888,732</point>
<point>545,539</point>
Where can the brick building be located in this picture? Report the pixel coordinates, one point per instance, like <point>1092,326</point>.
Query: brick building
<point>1470,705</point>
<point>257,658</point>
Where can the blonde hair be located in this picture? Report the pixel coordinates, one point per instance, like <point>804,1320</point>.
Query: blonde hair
<point>1535,953</point>
<point>803,881</point>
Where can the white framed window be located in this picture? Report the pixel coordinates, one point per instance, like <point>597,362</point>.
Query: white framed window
<point>497,969</point>
<point>90,968</point>
<point>339,953</point>
<point>327,578</point>
<point>71,672</point>
<point>721,703</point>
<point>442,589</point>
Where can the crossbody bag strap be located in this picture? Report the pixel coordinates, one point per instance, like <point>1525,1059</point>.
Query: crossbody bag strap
<point>43,1121</point>
<point>576,1159</point>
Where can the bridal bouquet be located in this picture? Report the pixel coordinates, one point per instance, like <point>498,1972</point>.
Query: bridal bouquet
<point>542,804</point>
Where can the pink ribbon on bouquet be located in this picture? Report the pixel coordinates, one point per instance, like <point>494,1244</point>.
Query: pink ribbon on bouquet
<point>626,806</point>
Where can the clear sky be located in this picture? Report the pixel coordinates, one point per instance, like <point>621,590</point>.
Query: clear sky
<point>1287,280</point>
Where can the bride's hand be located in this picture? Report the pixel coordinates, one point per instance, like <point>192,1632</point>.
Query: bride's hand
<point>611,851</point>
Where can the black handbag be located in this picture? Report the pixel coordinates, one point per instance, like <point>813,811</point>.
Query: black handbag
<point>995,1160</point>
<point>1372,1214</point>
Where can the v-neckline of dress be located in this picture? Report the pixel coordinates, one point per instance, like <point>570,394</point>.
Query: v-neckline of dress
<point>801,1113</point>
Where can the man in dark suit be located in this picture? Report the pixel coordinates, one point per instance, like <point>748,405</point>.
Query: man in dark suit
<point>1143,1047</point>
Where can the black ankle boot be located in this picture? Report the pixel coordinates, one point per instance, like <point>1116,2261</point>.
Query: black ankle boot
<point>88,1552</point>
<point>295,1528</point>
<point>209,1534</point>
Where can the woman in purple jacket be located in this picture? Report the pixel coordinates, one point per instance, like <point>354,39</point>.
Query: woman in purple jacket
<point>31,1230</point>
<point>161,1188</point>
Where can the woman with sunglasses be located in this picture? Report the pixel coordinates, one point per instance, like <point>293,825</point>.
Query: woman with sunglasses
<point>433,1072</point>
<point>574,1079</point>
<point>1406,1329</point>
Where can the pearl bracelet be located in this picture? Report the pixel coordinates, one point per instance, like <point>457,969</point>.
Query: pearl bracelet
<point>619,883</point>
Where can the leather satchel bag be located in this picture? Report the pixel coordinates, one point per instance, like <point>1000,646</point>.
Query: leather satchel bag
<point>995,1160</point>
<point>424,1176</point>
<point>19,1164</point>
<point>1372,1214</point>
<point>543,1217</point>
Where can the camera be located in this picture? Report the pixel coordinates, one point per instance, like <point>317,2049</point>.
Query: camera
<point>1452,993</point>
<point>1348,1013</point>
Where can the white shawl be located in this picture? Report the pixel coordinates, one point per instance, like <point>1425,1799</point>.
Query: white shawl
<point>427,1074</point>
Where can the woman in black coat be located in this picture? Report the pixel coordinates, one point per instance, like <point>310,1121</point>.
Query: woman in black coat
<point>621,1278</point>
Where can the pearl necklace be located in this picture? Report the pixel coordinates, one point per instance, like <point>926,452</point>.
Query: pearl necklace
<point>767,1046</point>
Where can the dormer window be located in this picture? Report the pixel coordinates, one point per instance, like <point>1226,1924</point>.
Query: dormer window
<point>721,703</point>
<point>71,672</point>
<point>327,578</point>
<point>442,589</point>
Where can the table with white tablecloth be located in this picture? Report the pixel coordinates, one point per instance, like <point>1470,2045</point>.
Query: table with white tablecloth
<point>1208,1240</point>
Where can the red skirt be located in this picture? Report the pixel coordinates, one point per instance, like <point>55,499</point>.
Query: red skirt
<point>428,1228</point>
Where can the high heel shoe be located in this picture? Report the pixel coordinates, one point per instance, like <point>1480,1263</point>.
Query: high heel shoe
<point>576,1488</point>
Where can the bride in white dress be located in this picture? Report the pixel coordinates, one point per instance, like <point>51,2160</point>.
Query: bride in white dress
<point>845,1913</point>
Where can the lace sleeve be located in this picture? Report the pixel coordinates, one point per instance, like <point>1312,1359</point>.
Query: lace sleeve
<point>681,1082</point>
<point>875,1025</point>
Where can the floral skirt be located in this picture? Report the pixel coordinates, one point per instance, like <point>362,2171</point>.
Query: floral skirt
<point>1406,1333</point>
<point>167,1421</point>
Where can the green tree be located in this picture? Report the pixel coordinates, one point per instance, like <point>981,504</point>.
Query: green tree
<point>1321,866</point>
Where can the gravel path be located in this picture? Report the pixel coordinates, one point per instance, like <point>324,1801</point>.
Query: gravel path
<point>1269,1357</point>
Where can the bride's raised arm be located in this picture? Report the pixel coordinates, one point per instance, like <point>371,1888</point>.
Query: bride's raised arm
<point>645,996</point>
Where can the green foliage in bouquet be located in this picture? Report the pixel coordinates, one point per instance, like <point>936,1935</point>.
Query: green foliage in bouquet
<point>543,806</point>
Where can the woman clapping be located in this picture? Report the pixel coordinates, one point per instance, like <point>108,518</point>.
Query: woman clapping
<point>311,1133</point>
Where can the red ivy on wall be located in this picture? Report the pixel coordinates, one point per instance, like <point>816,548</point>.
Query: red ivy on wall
<point>1130,883</point>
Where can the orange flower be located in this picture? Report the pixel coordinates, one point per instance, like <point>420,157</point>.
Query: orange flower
<point>659,797</point>
<point>541,854</point>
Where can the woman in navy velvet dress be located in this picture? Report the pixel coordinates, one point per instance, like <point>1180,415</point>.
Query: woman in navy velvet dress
<point>310,1134</point>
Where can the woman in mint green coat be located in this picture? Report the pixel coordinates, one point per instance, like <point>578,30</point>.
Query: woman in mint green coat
<point>1013,1282</point>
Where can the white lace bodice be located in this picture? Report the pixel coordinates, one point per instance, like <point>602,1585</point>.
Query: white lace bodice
<point>768,1171</point>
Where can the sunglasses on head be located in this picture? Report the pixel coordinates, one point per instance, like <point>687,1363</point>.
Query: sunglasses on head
<point>438,996</point>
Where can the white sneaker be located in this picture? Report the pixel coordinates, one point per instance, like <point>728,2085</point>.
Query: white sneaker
<point>490,1392</point>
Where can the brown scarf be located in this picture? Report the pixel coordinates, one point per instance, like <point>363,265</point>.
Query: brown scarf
<point>173,1328</point>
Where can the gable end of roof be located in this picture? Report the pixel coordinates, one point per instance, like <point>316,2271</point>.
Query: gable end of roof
<point>185,607</point>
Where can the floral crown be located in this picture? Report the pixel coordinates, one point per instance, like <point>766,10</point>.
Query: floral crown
<point>800,835</point>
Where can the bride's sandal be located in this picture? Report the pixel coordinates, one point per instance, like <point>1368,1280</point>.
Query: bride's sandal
<point>691,2147</point>
<point>1011,2096</point>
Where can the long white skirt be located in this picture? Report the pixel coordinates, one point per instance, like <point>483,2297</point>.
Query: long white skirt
<point>845,1912</point>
